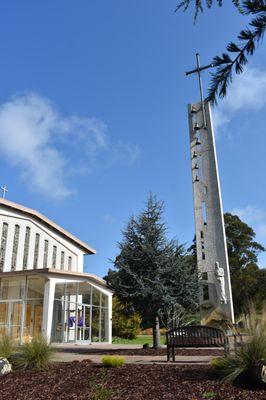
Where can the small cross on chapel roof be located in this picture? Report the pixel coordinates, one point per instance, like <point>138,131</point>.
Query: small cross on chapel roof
<point>4,190</point>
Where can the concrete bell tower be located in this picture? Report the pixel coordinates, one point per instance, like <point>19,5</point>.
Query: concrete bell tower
<point>212,257</point>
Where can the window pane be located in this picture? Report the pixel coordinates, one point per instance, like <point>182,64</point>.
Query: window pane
<point>36,251</point>
<point>69,263</point>
<point>85,293</point>
<point>26,247</point>
<point>3,245</point>
<point>96,294</point>
<point>58,322</point>
<point>15,248</point>
<point>3,314</point>
<point>33,319</point>
<point>3,331</point>
<point>45,254</point>
<point>12,288</point>
<point>59,290</point>
<point>62,263</point>
<point>71,290</point>
<point>35,287</point>
<point>104,325</point>
<point>95,324</point>
<point>104,300</point>
<point>15,320</point>
<point>54,257</point>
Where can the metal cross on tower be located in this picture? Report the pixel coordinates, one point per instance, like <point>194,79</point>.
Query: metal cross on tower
<point>198,71</point>
<point>4,190</point>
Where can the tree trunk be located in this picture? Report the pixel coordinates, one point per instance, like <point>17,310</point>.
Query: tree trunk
<point>156,333</point>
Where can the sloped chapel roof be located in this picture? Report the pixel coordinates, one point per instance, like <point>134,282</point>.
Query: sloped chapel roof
<point>9,205</point>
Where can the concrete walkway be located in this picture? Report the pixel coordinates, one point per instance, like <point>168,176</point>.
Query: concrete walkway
<point>95,352</point>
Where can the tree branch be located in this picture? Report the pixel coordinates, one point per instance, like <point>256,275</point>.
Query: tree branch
<point>225,65</point>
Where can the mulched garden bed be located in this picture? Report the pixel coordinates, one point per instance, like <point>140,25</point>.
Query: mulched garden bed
<point>71,381</point>
<point>142,352</point>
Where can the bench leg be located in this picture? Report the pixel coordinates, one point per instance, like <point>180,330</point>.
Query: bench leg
<point>168,354</point>
<point>173,354</point>
<point>226,349</point>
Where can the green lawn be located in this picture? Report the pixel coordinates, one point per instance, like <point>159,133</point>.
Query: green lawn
<point>141,339</point>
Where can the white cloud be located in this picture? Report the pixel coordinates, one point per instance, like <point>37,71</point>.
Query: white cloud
<point>220,119</point>
<point>247,92</point>
<point>251,214</point>
<point>256,218</point>
<point>261,230</point>
<point>47,147</point>
<point>109,219</point>
<point>125,153</point>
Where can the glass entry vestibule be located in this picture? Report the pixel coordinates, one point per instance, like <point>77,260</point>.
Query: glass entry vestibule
<point>61,308</point>
<point>80,313</point>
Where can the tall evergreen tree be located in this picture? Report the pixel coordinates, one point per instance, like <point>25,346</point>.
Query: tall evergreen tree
<point>151,272</point>
<point>242,248</point>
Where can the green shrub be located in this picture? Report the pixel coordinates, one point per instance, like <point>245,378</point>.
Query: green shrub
<point>250,353</point>
<point>209,395</point>
<point>6,347</point>
<point>113,361</point>
<point>244,361</point>
<point>227,368</point>
<point>99,389</point>
<point>34,354</point>
<point>124,324</point>
<point>102,393</point>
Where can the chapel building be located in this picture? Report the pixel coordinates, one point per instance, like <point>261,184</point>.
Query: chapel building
<point>43,289</point>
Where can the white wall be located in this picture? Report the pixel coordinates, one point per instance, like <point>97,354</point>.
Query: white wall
<point>70,250</point>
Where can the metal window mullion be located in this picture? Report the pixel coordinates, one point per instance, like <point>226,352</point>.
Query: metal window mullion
<point>23,311</point>
<point>100,318</point>
<point>90,314</point>
<point>64,313</point>
<point>76,312</point>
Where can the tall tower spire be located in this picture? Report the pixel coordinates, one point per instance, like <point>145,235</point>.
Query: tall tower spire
<point>212,257</point>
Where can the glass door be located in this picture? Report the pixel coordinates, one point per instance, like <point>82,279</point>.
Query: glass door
<point>84,324</point>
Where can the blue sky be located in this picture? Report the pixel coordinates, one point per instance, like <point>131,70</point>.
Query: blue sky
<point>93,115</point>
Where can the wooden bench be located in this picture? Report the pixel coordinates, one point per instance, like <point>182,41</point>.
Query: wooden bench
<point>195,336</point>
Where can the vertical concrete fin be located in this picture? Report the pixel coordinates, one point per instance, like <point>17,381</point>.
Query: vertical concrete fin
<point>212,257</point>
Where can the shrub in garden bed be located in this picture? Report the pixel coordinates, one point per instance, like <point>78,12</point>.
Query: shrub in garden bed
<point>113,361</point>
<point>249,361</point>
<point>34,354</point>
<point>99,389</point>
<point>6,347</point>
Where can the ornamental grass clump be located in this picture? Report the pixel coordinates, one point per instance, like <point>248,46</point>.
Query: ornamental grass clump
<point>249,360</point>
<point>113,361</point>
<point>99,390</point>
<point>6,347</point>
<point>34,354</point>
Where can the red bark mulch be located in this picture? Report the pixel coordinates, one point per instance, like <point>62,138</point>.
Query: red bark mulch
<point>142,352</point>
<point>71,381</point>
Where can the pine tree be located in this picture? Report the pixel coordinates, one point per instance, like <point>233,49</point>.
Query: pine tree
<point>151,272</point>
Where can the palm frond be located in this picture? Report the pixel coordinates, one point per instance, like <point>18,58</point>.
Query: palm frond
<point>199,5</point>
<point>249,39</point>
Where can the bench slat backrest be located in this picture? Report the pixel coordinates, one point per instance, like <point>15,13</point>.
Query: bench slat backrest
<point>196,336</point>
